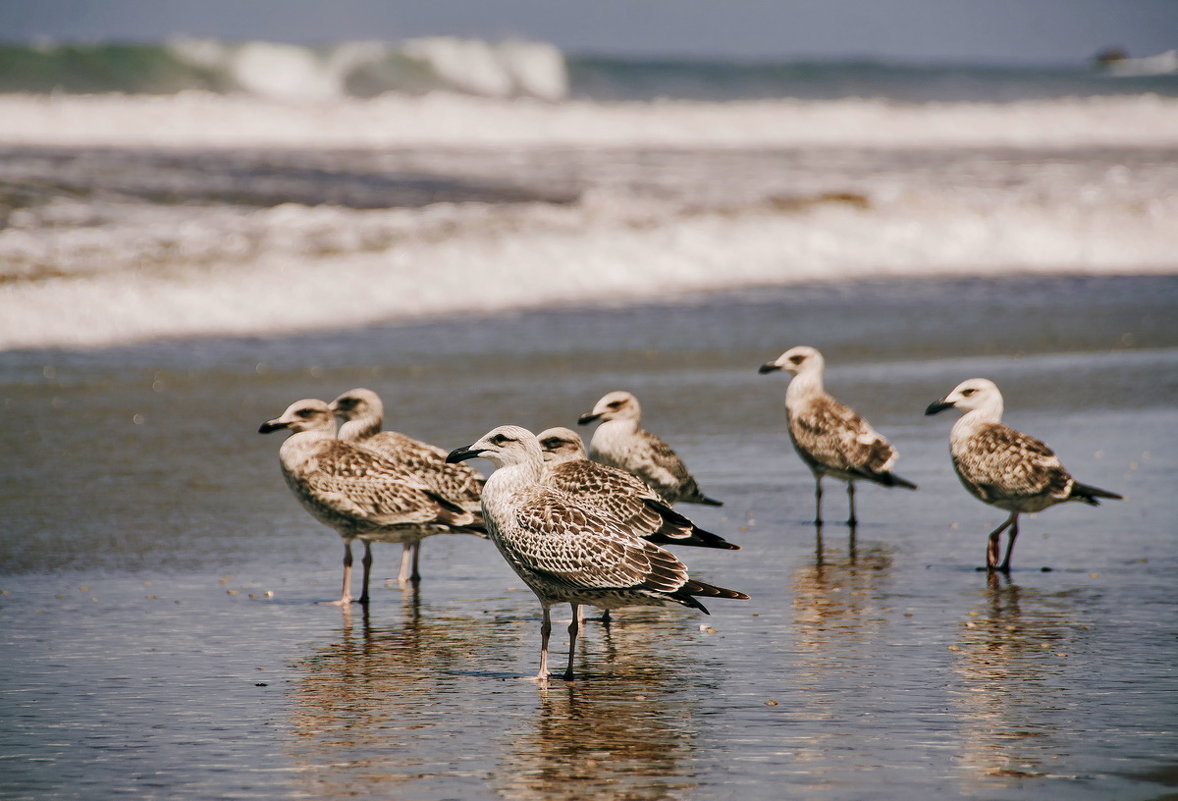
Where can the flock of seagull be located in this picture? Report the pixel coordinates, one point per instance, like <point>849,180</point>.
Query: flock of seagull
<point>589,528</point>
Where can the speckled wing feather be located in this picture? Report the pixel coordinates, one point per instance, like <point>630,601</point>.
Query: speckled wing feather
<point>584,550</point>
<point>998,464</point>
<point>832,436</point>
<point>458,482</point>
<point>358,488</point>
<point>608,490</point>
<point>629,500</point>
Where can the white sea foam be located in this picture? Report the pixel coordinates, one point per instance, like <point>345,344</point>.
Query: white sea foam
<point>293,268</point>
<point>933,191</point>
<point>440,119</point>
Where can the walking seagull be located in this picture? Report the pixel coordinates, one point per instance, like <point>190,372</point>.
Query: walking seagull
<point>1004,467</point>
<point>566,552</point>
<point>619,442</point>
<point>363,413</point>
<point>830,437</point>
<point>356,491</point>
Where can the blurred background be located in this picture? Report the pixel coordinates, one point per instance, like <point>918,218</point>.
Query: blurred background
<point>375,161</point>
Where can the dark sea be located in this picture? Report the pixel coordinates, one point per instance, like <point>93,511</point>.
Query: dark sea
<point>180,261</point>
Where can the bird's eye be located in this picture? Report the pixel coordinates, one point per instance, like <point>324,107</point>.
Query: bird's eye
<point>550,443</point>
<point>500,439</point>
<point>797,359</point>
<point>968,392</point>
<point>306,413</point>
<point>614,405</point>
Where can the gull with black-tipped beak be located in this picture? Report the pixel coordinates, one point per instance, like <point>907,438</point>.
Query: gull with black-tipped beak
<point>356,491</point>
<point>569,553</point>
<point>1004,467</point>
<point>829,436</point>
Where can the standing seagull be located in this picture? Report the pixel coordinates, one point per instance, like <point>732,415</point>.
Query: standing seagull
<point>566,552</point>
<point>618,494</point>
<point>1004,467</point>
<point>363,413</point>
<point>831,439</point>
<point>619,442</point>
<point>356,491</point>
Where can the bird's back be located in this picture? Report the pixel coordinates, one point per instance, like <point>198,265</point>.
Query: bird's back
<point>831,438</point>
<point>1009,469</point>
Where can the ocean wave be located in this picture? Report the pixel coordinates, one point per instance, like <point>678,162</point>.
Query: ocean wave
<point>280,71</point>
<point>283,71</point>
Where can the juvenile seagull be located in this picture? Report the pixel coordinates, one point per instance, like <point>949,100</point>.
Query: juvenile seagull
<point>356,491</point>
<point>619,442</point>
<point>567,552</point>
<point>618,494</point>
<point>829,437</point>
<point>363,413</point>
<point>1004,467</point>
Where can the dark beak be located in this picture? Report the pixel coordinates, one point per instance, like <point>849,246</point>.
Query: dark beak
<point>938,406</point>
<point>587,418</point>
<point>271,425</point>
<point>768,367</point>
<point>461,455</point>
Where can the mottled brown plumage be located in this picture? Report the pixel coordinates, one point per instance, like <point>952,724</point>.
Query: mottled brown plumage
<point>356,491</point>
<point>568,553</point>
<point>363,413</point>
<point>618,494</point>
<point>1004,467</point>
<point>831,439</point>
<point>620,442</point>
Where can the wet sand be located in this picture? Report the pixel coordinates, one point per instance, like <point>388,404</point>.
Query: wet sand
<point>163,635</point>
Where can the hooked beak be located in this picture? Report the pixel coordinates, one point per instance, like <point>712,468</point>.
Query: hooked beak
<point>462,454</point>
<point>587,418</point>
<point>937,406</point>
<point>768,367</point>
<point>272,425</point>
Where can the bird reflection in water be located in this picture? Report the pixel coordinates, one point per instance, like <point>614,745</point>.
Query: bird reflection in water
<point>842,593</point>
<point>368,710</point>
<point>431,705</point>
<point>1011,649</point>
<point>630,737</point>
<point>842,616</point>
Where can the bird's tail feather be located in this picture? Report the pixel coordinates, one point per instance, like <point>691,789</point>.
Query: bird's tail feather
<point>893,480</point>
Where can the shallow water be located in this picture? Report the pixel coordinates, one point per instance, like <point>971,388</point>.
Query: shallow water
<point>146,523</point>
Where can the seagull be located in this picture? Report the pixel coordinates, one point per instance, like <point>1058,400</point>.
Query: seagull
<point>618,494</point>
<point>830,437</point>
<point>567,552</point>
<point>619,442</point>
<point>356,491</point>
<point>363,413</point>
<point>1004,467</point>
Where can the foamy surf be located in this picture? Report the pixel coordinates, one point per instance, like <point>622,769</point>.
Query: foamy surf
<point>286,276</point>
<point>452,120</point>
<point>133,218</point>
